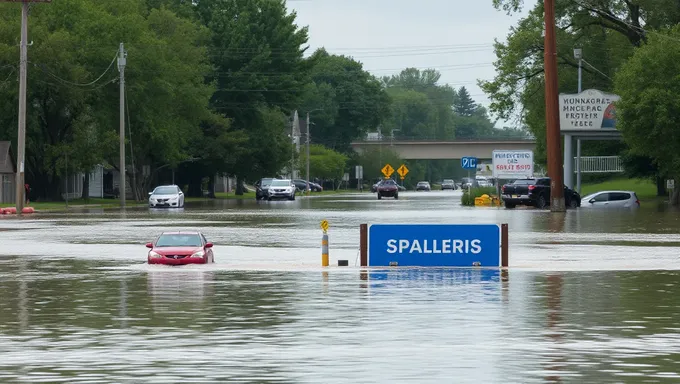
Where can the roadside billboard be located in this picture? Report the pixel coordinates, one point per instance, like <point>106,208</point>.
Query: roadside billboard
<point>508,164</point>
<point>590,110</point>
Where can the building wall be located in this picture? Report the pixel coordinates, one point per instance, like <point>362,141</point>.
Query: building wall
<point>7,188</point>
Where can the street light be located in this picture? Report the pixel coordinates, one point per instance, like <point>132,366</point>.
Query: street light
<point>578,55</point>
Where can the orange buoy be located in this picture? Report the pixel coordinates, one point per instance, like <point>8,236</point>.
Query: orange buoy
<point>27,210</point>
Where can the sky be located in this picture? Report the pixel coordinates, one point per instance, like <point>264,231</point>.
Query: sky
<point>453,36</point>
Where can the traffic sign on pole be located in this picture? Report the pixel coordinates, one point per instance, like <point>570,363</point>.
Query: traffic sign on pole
<point>387,170</point>
<point>468,162</point>
<point>402,171</point>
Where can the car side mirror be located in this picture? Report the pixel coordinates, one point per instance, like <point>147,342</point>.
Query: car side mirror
<point>591,201</point>
<point>181,193</point>
<point>149,245</point>
<point>150,193</point>
<point>208,245</point>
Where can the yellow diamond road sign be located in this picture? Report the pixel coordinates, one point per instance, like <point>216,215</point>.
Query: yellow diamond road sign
<point>402,171</point>
<point>387,170</point>
<point>324,225</point>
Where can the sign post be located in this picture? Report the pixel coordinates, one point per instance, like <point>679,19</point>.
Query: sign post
<point>434,245</point>
<point>402,171</point>
<point>670,186</point>
<point>387,170</point>
<point>469,163</point>
<point>324,244</point>
<point>359,173</point>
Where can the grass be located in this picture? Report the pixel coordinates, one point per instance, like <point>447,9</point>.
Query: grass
<point>643,188</point>
<point>77,203</point>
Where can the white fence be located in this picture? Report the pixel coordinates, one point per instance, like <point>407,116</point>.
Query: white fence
<point>599,164</point>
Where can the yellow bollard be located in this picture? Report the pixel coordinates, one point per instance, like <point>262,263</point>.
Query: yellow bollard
<point>324,250</point>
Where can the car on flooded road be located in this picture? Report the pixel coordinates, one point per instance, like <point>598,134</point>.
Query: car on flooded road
<point>388,188</point>
<point>611,199</point>
<point>169,196</point>
<point>423,186</point>
<point>281,189</point>
<point>180,248</point>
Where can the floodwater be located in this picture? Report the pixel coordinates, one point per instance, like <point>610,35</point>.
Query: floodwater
<point>590,296</point>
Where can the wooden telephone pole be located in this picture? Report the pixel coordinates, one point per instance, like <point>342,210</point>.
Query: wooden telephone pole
<point>21,137</point>
<point>552,120</point>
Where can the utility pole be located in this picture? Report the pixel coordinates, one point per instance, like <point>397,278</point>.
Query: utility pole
<point>578,54</point>
<point>122,59</point>
<point>552,122</point>
<point>308,154</point>
<point>21,138</point>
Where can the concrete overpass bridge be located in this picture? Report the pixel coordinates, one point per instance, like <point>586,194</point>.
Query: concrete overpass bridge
<point>426,149</point>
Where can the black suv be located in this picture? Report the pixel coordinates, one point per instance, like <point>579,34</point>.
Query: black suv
<point>262,188</point>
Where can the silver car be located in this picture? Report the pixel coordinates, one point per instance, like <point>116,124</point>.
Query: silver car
<point>611,199</point>
<point>170,196</point>
<point>282,188</point>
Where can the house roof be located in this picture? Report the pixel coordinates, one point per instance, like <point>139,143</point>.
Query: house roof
<point>7,162</point>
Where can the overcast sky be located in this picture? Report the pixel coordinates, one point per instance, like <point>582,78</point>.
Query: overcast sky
<point>453,36</point>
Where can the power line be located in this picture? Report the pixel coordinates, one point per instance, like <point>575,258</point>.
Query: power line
<point>42,67</point>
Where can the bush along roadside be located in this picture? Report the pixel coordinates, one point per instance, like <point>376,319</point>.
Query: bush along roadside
<point>469,199</point>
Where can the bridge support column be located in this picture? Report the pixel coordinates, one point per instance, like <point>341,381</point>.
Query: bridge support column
<point>568,162</point>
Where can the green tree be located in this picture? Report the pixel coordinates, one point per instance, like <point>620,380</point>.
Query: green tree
<point>411,114</point>
<point>649,111</point>
<point>347,100</point>
<point>73,94</point>
<point>463,104</point>
<point>600,28</point>
<point>324,163</point>
<point>257,51</point>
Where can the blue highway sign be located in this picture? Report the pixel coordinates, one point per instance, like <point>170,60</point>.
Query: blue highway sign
<point>468,162</point>
<point>434,245</point>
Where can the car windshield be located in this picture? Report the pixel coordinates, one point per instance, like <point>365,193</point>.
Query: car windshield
<point>389,182</point>
<point>179,240</point>
<point>448,181</point>
<point>524,182</point>
<point>422,183</point>
<point>266,182</point>
<point>165,191</point>
<point>280,183</point>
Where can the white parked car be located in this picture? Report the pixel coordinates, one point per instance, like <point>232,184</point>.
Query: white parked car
<point>281,188</point>
<point>170,196</point>
<point>611,199</point>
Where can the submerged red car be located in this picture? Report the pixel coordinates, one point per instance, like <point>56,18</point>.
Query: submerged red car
<point>180,248</point>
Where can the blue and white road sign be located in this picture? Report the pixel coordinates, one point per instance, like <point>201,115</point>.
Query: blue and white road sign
<point>468,162</point>
<point>434,245</point>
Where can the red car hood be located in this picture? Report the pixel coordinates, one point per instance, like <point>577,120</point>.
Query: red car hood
<point>176,250</point>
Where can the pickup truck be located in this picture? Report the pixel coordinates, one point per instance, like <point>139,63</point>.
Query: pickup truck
<point>535,193</point>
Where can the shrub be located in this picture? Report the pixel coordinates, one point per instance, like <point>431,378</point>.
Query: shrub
<point>476,192</point>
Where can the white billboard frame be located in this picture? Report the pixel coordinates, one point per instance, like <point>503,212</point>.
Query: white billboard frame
<point>585,111</point>
<point>513,158</point>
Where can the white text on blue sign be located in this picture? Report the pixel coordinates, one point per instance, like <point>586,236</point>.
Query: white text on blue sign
<point>444,246</point>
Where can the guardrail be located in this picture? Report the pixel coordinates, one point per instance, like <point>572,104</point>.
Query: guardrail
<point>599,164</point>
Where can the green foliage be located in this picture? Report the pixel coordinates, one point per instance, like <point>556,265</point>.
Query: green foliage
<point>649,110</point>
<point>469,198</point>
<point>324,163</point>
<point>257,51</point>
<point>421,108</point>
<point>346,100</point>
<point>72,110</point>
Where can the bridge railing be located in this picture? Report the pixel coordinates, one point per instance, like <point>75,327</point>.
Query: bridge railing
<point>600,164</point>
